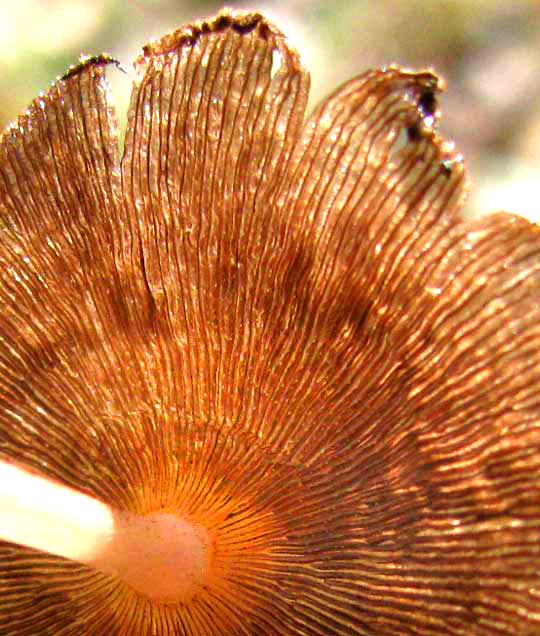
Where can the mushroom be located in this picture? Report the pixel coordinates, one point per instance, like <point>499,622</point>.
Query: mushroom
<point>258,376</point>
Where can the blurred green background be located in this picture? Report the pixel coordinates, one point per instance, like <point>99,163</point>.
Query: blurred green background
<point>487,50</point>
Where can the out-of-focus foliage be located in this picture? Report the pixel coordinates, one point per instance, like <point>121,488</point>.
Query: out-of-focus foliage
<point>488,51</point>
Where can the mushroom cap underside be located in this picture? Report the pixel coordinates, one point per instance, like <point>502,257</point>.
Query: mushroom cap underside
<point>278,327</point>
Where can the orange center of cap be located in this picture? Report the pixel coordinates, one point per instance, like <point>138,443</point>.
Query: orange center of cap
<point>163,557</point>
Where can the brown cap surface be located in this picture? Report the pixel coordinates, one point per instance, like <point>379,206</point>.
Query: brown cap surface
<point>278,328</point>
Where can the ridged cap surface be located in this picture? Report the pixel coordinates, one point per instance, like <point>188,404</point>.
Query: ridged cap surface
<point>276,326</point>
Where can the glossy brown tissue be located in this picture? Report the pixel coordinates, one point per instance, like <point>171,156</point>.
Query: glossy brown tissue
<point>276,325</point>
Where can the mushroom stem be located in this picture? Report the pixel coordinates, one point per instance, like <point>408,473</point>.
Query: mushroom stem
<point>161,555</point>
